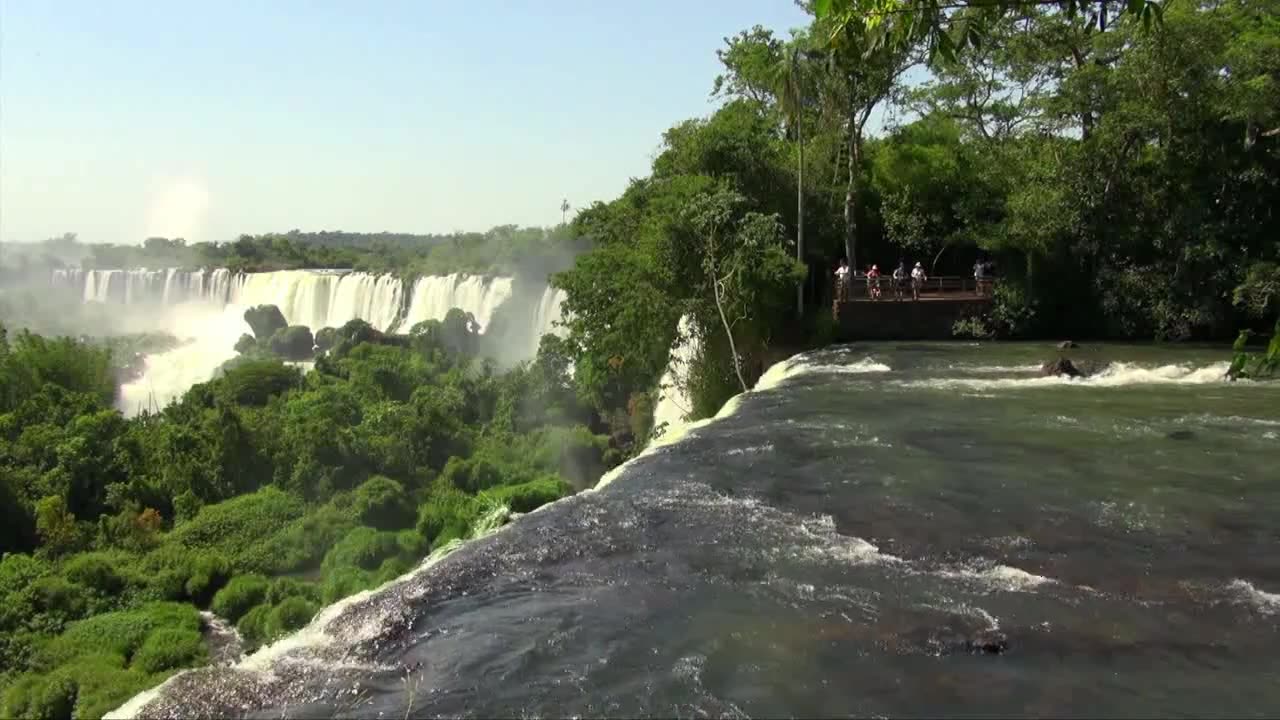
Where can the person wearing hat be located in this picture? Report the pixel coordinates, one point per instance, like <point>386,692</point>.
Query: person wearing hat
<point>917,280</point>
<point>873,282</point>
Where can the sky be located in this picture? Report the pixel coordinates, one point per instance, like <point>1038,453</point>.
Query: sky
<point>205,120</point>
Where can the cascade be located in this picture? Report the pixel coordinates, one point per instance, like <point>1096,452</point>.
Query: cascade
<point>434,295</point>
<point>674,405</point>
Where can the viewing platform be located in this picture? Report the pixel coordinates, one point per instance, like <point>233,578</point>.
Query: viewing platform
<point>897,315</point>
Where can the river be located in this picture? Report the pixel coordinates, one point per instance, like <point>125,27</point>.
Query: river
<point>878,530</point>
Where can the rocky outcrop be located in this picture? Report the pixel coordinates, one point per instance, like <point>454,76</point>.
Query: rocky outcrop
<point>294,343</point>
<point>265,321</point>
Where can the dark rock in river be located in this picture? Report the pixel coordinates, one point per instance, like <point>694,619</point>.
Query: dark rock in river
<point>1181,435</point>
<point>1061,366</point>
<point>1067,345</point>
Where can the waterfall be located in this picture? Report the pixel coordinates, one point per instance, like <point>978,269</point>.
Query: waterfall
<point>674,404</point>
<point>205,307</point>
<point>545,317</point>
<point>434,295</point>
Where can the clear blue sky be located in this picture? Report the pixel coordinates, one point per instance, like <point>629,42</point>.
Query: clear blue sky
<point>129,118</point>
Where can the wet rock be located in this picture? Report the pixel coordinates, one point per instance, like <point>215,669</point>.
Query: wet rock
<point>1060,366</point>
<point>988,642</point>
<point>1181,435</point>
<point>1067,345</point>
<point>1079,368</point>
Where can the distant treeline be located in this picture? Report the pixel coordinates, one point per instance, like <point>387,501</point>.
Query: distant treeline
<point>507,249</point>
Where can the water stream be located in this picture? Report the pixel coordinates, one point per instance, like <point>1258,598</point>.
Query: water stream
<point>881,530</point>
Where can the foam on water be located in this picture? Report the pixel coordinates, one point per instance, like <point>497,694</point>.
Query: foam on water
<point>1115,375</point>
<point>1000,577</point>
<point>1264,602</point>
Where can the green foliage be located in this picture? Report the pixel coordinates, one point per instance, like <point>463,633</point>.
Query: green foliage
<point>291,614</point>
<point>382,503</point>
<point>253,382</point>
<point>1256,366</point>
<point>363,547</point>
<point>168,649</point>
<point>447,515</point>
<point>239,596</point>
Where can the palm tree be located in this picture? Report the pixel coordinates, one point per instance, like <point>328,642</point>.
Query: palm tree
<point>792,79</point>
<point>564,210</point>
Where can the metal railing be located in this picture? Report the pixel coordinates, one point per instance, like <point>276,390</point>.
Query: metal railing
<point>862,288</point>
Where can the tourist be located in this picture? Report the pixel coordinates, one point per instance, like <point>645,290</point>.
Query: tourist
<point>917,281</point>
<point>842,281</point>
<point>873,282</point>
<point>977,277</point>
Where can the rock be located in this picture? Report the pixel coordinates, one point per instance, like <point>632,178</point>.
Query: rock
<point>988,642</point>
<point>1181,435</point>
<point>1061,366</point>
<point>293,343</point>
<point>265,320</point>
<point>1067,345</point>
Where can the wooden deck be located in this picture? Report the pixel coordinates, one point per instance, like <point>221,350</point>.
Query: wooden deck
<point>896,315</point>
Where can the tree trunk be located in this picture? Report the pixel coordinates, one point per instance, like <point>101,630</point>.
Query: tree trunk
<point>851,191</point>
<point>717,286</point>
<point>800,221</point>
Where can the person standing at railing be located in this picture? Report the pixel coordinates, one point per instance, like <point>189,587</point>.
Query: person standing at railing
<point>899,278</point>
<point>842,281</point>
<point>917,280</point>
<point>978,271</point>
<point>873,282</point>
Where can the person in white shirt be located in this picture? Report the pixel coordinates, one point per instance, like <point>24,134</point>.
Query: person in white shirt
<point>917,280</point>
<point>842,281</point>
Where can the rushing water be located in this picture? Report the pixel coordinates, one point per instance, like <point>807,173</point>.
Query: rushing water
<point>877,530</point>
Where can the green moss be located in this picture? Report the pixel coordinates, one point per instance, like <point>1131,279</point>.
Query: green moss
<point>95,570</point>
<point>341,582</point>
<point>283,588</point>
<point>447,514</point>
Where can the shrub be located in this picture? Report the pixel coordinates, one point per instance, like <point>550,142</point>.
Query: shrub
<point>391,569</point>
<point>528,496</point>
<point>117,633</point>
<point>284,588</point>
<point>412,544</point>
<point>60,598</point>
<point>18,571</point>
<point>300,545</point>
<point>96,571</point>
<point>239,596</point>
<point>343,581</point>
<point>364,548</point>
<point>291,614</point>
<point>382,503</point>
<point>246,344</point>
<point>447,514</point>
<point>235,526</point>
<point>253,626</point>
<point>326,338</point>
<point>168,649</point>
<point>255,381</point>
<point>208,574</point>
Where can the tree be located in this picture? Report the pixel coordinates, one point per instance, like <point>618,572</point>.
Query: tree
<point>793,88</point>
